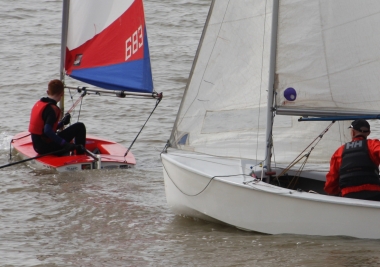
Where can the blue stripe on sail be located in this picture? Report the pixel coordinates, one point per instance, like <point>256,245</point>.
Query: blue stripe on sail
<point>132,76</point>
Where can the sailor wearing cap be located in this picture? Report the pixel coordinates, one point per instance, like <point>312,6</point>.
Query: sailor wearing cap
<point>354,167</point>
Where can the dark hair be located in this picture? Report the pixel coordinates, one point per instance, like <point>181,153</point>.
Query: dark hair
<point>55,87</point>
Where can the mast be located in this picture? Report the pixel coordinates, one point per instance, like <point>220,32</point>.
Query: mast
<point>65,26</point>
<point>272,70</point>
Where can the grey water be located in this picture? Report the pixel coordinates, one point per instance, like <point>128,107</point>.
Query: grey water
<point>120,217</point>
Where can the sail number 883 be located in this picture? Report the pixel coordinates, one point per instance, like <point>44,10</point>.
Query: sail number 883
<point>134,43</point>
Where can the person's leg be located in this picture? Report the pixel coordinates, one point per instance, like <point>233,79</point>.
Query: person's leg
<point>43,147</point>
<point>48,148</point>
<point>366,195</point>
<point>76,131</point>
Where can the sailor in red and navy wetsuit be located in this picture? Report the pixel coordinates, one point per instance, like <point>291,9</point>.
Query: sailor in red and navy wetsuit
<point>354,167</point>
<point>44,123</point>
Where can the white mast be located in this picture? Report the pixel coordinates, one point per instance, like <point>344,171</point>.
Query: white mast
<point>65,25</point>
<point>272,69</point>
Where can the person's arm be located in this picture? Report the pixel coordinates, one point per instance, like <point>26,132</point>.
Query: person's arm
<point>50,118</point>
<point>374,148</point>
<point>332,177</point>
<point>49,132</point>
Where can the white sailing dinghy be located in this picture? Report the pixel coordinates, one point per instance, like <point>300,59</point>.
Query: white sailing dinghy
<point>104,43</point>
<point>237,153</point>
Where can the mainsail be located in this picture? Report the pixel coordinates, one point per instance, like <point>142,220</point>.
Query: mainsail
<point>328,52</point>
<point>107,45</point>
<point>326,55</point>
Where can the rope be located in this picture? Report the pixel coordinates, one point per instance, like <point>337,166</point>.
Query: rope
<point>77,101</point>
<point>209,182</point>
<point>80,99</point>
<point>10,145</point>
<point>157,102</point>
<point>37,157</point>
<point>306,156</point>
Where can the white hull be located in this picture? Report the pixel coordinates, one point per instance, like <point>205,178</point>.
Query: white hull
<point>258,206</point>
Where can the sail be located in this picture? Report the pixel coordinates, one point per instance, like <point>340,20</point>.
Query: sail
<point>107,45</point>
<point>328,56</point>
<point>223,111</point>
<point>224,108</point>
<point>327,63</point>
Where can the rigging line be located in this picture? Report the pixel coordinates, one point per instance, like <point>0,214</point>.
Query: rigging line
<point>179,120</point>
<point>209,182</point>
<point>10,144</point>
<point>298,173</point>
<point>340,133</point>
<point>261,79</point>
<point>157,102</point>
<point>274,114</point>
<point>80,108</point>
<point>71,97</point>
<point>298,158</point>
<point>165,149</point>
<point>77,101</point>
<point>315,140</point>
<point>37,157</point>
<point>80,99</point>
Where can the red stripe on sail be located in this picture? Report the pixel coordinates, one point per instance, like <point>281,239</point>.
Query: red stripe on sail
<point>122,41</point>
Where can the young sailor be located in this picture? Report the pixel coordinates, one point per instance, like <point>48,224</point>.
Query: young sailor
<point>44,123</point>
<point>354,167</point>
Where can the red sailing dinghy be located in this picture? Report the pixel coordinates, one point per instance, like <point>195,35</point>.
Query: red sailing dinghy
<point>104,43</point>
<point>110,155</point>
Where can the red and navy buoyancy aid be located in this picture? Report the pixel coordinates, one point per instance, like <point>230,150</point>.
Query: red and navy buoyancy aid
<point>357,168</point>
<point>36,125</point>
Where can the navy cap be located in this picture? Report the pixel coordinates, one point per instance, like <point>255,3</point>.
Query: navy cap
<point>358,125</point>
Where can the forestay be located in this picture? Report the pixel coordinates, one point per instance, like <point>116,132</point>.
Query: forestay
<point>223,111</point>
<point>107,45</point>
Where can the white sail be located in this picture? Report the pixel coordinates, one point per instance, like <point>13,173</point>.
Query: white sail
<point>224,108</point>
<point>328,51</point>
<point>223,112</point>
<point>99,12</point>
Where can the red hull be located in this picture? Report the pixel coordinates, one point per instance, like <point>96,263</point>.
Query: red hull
<point>111,155</point>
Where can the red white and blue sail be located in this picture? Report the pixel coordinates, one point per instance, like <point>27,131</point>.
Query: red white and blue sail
<point>107,45</point>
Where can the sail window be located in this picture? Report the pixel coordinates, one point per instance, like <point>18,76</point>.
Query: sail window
<point>78,59</point>
<point>183,139</point>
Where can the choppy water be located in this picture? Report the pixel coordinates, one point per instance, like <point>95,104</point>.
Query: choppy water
<point>120,218</point>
